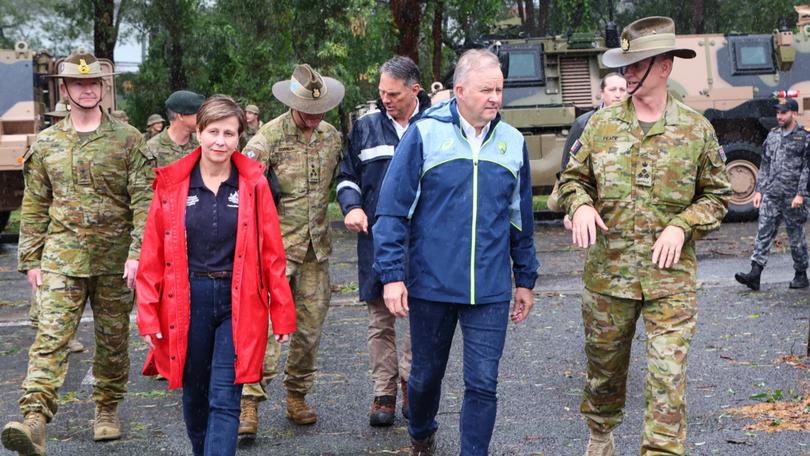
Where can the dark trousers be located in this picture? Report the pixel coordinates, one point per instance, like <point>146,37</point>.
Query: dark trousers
<point>210,398</point>
<point>433,325</point>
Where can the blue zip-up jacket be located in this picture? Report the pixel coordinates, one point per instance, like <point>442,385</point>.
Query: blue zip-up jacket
<point>371,145</point>
<point>464,214</point>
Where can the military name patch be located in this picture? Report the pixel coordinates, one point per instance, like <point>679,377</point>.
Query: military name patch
<point>722,153</point>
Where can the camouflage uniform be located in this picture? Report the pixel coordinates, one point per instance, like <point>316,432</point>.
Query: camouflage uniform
<point>305,172</point>
<point>639,184</point>
<point>167,151</point>
<point>83,212</point>
<point>248,134</point>
<point>783,174</point>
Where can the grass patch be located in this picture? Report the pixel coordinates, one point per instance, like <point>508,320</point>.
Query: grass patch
<point>334,213</point>
<point>540,203</point>
<point>13,222</point>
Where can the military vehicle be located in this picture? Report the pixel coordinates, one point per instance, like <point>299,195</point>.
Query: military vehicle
<point>551,80</point>
<point>25,95</point>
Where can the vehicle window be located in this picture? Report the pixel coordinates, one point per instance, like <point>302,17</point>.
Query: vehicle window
<point>752,54</point>
<point>525,66</point>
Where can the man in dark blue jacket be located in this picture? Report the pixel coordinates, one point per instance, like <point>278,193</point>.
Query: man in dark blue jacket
<point>458,192</point>
<point>370,148</point>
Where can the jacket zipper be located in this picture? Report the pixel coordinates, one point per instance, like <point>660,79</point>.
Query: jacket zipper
<point>475,155</point>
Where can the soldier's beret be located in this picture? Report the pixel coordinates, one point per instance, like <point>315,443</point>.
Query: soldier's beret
<point>184,102</point>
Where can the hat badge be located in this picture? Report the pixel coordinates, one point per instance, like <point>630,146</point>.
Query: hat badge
<point>316,93</point>
<point>84,68</point>
<point>625,45</point>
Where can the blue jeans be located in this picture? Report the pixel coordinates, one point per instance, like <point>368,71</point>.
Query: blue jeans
<point>210,397</point>
<point>432,327</point>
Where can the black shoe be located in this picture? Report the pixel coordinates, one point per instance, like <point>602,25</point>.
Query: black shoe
<point>751,279</point>
<point>799,280</point>
<point>383,411</point>
<point>425,447</point>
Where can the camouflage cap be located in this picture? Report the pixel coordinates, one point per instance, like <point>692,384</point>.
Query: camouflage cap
<point>61,109</point>
<point>184,102</point>
<point>153,119</point>
<point>252,108</point>
<point>309,92</point>
<point>643,39</point>
<point>81,65</point>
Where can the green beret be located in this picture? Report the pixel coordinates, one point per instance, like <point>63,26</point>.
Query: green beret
<point>184,102</point>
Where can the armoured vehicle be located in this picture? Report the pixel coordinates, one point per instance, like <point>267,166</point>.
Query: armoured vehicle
<point>25,95</point>
<point>551,80</point>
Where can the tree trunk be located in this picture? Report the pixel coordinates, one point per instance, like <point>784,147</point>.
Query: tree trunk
<point>438,20</point>
<point>521,12</point>
<point>530,24</point>
<point>105,33</point>
<point>542,18</point>
<point>407,16</point>
<point>698,22</point>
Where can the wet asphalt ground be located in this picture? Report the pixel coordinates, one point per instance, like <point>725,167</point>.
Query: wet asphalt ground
<point>741,338</point>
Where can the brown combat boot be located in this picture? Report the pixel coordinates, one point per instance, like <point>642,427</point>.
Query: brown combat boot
<point>26,438</point>
<point>106,426</point>
<point>249,417</point>
<point>383,411</point>
<point>298,411</point>
<point>600,444</point>
<point>425,447</point>
<point>406,409</point>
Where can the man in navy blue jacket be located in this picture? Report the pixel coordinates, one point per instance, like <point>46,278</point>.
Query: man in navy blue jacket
<point>458,192</point>
<point>370,147</point>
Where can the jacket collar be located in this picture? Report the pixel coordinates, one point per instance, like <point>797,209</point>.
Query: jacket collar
<point>448,112</point>
<point>66,124</point>
<point>672,114</point>
<point>179,171</point>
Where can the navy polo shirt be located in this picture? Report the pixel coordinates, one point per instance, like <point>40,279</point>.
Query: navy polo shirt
<point>211,222</point>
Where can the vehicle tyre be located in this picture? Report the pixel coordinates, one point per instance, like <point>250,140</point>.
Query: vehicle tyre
<point>742,164</point>
<point>4,216</point>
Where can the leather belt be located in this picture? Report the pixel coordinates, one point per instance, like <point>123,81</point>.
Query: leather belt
<point>211,275</point>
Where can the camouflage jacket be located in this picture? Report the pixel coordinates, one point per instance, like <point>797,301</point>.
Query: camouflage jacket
<point>85,204</point>
<point>305,172</point>
<point>783,171</point>
<point>673,175</point>
<point>147,135</point>
<point>248,134</point>
<point>167,151</point>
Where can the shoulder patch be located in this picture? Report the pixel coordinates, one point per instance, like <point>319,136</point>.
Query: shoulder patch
<point>721,153</point>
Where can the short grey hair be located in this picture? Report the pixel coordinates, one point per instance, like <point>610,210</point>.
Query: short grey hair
<point>403,69</point>
<point>171,115</point>
<point>474,59</point>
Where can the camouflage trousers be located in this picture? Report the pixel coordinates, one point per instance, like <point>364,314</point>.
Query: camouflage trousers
<point>309,282</point>
<point>771,213</point>
<point>610,325</point>
<point>61,301</point>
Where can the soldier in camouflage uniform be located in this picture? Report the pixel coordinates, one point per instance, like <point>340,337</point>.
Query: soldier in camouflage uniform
<point>179,139</point>
<point>650,174</point>
<point>154,125</point>
<point>60,111</point>
<point>253,125</point>
<point>781,189</point>
<point>304,152</point>
<point>87,192</point>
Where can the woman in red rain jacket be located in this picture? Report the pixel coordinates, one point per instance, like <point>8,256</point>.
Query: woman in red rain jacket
<point>211,253</point>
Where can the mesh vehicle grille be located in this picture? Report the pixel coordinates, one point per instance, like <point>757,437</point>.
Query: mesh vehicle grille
<point>576,81</point>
